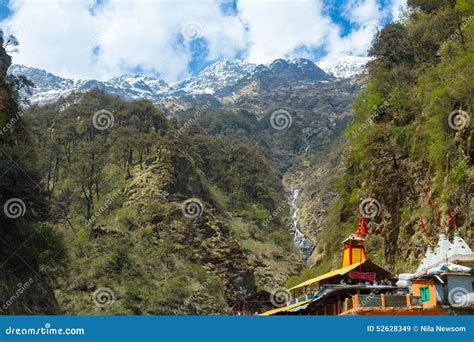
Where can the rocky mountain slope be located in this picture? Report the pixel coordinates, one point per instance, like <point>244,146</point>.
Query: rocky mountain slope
<point>234,138</point>
<point>407,156</point>
<point>221,78</point>
<point>157,220</point>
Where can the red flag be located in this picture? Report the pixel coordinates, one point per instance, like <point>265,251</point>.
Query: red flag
<point>362,229</point>
<point>452,220</point>
<point>426,230</point>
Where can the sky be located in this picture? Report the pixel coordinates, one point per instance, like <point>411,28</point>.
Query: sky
<point>174,39</point>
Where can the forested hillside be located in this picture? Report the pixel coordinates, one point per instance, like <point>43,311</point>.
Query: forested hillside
<point>27,242</point>
<point>121,206</point>
<point>156,218</point>
<point>411,142</point>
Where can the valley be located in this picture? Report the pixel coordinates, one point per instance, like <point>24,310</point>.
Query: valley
<point>144,197</point>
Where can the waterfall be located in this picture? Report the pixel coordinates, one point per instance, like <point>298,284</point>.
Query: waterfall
<point>304,245</point>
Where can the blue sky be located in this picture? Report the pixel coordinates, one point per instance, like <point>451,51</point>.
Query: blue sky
<point>176,38</point>
<point>4,9</point>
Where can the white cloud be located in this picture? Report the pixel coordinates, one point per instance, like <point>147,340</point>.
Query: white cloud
<point>55,37</point>
<point>61,36</point>
<point>367,17</point>
<point>277,28</point>
<point>362,11</point>
<point>397,9</point>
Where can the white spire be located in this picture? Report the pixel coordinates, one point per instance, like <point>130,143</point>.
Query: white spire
<point>441,251</point>
<point>426,260</point>
<point>459,247</point>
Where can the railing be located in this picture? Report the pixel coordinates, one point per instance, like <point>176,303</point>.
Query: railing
<point>380,302</point>
<point>301,299</point>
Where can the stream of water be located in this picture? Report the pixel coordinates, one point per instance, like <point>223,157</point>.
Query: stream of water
<point>304,245</point>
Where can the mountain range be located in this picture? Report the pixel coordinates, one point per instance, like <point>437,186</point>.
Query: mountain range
<point>220,79</point>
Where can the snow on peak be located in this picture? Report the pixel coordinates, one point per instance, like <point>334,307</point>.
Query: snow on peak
<point>216,76</point>
<point>345,66</point>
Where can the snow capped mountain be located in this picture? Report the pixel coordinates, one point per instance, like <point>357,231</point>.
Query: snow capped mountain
<point>217,76</point>
<point>344,67</point>
<point>297,69</point>
<point>49,87</point>
<point>218,79</point>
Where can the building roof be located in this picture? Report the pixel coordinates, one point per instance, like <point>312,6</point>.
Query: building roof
<point>441,251</point>
<point>457,252</point>
<point>459,247</point>
<point>285,308</point>
<point>426,260</point>
<point>366,266</point>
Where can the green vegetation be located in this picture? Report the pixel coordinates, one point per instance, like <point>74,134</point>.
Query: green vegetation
<point>401,140</point>
<point>29,248</point>
<point>116,174</point>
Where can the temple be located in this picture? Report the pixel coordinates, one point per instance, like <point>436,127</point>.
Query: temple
<point>442,284</point>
